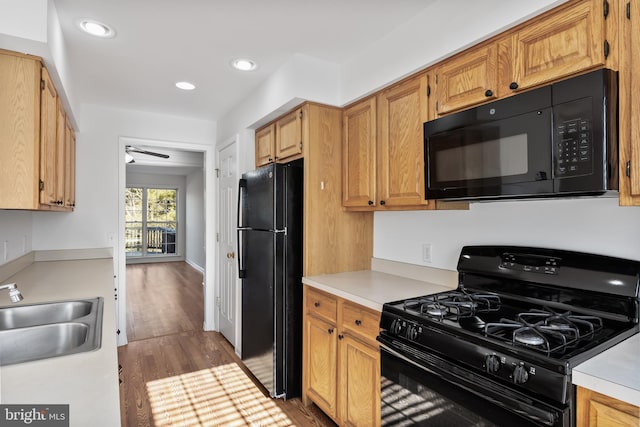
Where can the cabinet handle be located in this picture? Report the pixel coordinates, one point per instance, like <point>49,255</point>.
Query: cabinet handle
<point>358,322</point>
<point>370,203</point>
<point>330,331</point>
<point>488,93</point>
<point>513,86</point>
<point>316,304</point>
<point>340,337</point>
<point>382,203</point>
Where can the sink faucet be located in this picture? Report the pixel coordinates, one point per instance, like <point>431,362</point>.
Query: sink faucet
<point>14,292</point>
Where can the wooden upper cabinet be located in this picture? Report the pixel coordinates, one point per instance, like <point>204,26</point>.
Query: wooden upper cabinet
<point>566,42</point>
<point>70,166</point>
<point>19,131</point>
<point>289,136</point>
<point>35,165</point>
<point>402,111</point>
<point>280,141</point>
<point>467,79</point>
<point>49,161</point>
<point>359,154</point>
<point>265,145</point>
<point>629,108</point>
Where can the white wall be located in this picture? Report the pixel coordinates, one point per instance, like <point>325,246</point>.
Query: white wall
<point>165,181</point>
<point>95,218</point>
<point>194,219</point>
<point>441,29</point>
<point>595,225</point>
<point>15,234</point>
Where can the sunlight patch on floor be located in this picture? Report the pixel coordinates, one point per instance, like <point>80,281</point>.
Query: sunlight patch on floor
<point>220,396</point>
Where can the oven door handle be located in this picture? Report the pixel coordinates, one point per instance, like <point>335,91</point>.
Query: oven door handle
<point>487,390</point>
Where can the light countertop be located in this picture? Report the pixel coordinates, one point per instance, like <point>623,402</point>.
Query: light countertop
<point>615,372</point>
<point>88,381</point>
<point>374,288</point>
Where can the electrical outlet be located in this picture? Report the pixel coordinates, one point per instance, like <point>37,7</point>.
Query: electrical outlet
<point>426,252</point>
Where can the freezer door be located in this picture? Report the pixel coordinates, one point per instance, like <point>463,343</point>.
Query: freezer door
<point>258,296</point>
<point>256,207</point>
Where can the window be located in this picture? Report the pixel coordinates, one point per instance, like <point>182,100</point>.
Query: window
<point>151,221</point>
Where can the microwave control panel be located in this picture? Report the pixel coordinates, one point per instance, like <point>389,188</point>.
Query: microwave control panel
<point>573,148</point>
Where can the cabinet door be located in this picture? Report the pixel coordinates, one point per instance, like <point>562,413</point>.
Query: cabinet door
<point>61,157</point>
<point>70,167</point>
<point>467,80</point>
<point>564,43</point>
<point>321,360</point>
<point>289,136</point>
<point>48,142</point>
<point>402,111</point>
<point>19,132</point>
<point>597,410</point>
<point>629,108</point>
<point>265,145</point>
<point>359,383</point>
<point>359,154</point>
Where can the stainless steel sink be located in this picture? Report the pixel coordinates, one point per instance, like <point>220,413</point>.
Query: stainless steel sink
<point>40,331</point>
<point>39,314</point>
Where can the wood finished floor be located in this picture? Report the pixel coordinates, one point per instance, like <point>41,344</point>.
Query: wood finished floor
<point>175,374</point>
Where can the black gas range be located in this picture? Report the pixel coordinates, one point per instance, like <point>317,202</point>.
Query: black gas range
<point>499,350</point>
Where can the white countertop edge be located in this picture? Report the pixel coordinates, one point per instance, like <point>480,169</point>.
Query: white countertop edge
<point>358,299</point>
<point>606,387</point>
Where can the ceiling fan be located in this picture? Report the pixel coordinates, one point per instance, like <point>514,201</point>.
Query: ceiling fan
<point>131,149</point>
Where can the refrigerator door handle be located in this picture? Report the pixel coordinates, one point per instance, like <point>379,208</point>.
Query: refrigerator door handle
<point>241,270</point>
<point>242,186</point>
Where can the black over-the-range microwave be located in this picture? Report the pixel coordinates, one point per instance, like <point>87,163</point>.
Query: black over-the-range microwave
<point>557,140</point>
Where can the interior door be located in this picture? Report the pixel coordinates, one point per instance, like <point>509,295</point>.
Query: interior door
<point>227,207</point>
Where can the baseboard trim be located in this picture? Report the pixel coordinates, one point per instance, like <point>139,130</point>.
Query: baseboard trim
<point>194,265</point>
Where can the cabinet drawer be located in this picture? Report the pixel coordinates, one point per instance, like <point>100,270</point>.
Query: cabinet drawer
<point>360,321</point>
<point>321,305</point>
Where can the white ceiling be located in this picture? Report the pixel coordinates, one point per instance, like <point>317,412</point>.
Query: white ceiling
<point>160,42</point>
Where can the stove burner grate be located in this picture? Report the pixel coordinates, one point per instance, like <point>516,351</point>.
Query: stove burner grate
<point>453,305</point>
<point>545,330</point>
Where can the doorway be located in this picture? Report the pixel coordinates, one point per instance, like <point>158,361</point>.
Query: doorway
<point>207,235</point>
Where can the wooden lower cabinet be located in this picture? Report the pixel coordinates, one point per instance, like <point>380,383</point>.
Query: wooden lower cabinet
<point>360,383</point>
<point>597,410</point>
<point>320,349</point>
<point>341,360</point>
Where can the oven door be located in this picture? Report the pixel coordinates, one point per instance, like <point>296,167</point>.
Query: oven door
<point>425,390</point>
<point>510,156</point>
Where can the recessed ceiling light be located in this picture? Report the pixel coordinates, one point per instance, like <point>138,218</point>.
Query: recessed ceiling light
<point>185,86</point>
<point>243,64</point>
<point>96,28</point>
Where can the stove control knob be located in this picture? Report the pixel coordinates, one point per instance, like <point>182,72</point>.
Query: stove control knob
<point>412,333</point>
<point>520,375</point>
<point>492,363</point>
<point>396,327</point>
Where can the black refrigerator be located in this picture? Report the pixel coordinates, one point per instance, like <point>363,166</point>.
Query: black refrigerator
<point>270,265</point>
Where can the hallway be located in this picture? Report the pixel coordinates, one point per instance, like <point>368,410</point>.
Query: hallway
<point>175,374</point>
